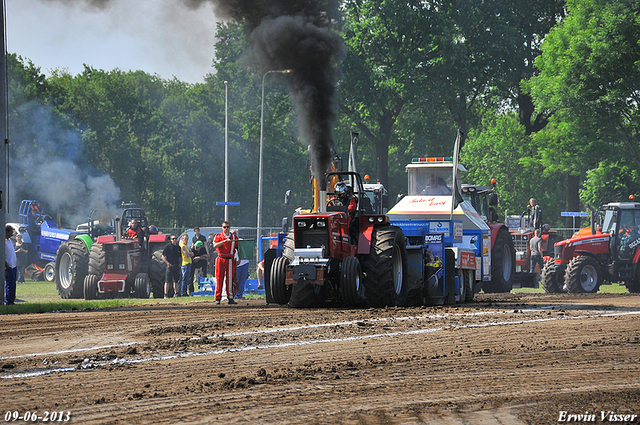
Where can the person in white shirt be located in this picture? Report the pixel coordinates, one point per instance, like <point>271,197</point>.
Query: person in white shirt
<point>10,267</point>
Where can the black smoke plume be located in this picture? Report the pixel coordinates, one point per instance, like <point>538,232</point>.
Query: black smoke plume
<point>297,35</point>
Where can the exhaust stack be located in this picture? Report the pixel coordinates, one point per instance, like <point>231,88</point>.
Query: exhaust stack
<point>118,229</point>
<point>322,204</point>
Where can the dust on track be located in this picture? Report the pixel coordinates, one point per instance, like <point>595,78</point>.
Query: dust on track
<point>510,358</point>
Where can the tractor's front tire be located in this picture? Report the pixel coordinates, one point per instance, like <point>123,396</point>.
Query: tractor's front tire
<point>49,272</point>
<point>157,271</point>
<point>385,268</point>
<point>91,287</point>
<point>280,291</point>
<point>503,264</point>
<point>72,263</point>
<point>552,279</point>
<point>351,288</point>
<point>583,275</point>
<point>142,286</point>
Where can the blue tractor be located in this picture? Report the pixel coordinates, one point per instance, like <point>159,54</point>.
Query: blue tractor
<point>62,253</point>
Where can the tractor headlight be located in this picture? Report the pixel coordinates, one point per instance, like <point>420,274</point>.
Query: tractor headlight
<point>322,223</point>
<point>302,224</point>
<point>371,219</point>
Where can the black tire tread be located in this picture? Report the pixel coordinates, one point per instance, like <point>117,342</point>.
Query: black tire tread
<point>280,292</point>
<point>90,287</point>
<point>96,259</point>
<point>350,273</point>
<point>498,284</point>
<point>140,285</point>
<point>572,274</point>
<point>304,294</point>
<point>77,249</point>
<point>377,267</point>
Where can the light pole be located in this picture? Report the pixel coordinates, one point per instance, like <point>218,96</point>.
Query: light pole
<point>226,155</point>
<point>259,220</point>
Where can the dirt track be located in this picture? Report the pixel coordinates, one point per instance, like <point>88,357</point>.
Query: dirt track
<point>509,359</point>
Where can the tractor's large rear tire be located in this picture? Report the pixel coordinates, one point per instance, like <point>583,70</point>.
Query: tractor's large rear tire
<point>96,259</point>
<point>142,286</point>
<point>351,287</point>
<point>634,284</point>
<point>49,272</point>
<point>157,270</point>
<point>583,274</point>
<point>289,246</point>
<point>503,264</point>
<point>552,279</point>
<point>72,263</point>
<point>305,294</point>
<point>385,268</point>
<point>280,291</point>
<point>91,287</point>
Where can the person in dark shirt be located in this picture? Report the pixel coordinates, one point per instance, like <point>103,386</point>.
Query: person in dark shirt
<point>200,259</point>
<point>172,256</point>
<point>197,237</point>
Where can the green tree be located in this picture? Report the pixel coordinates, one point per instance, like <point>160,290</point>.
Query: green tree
<point>497,151</point>
<point>589,79</point>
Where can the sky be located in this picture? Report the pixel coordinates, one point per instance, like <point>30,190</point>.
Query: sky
<point>162,37</point>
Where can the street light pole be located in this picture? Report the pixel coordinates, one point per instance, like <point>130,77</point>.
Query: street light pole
<point>259,219</point>
<point>226,155</point>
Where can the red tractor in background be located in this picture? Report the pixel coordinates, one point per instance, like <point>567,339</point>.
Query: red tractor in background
<point>521,237</point>
<point>126,267</point>
<point>610,253</point>
<point>484,199</point>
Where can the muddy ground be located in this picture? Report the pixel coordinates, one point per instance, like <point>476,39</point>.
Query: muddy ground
<point>508,359</point>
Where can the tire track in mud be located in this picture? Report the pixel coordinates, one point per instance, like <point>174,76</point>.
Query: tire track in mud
<point>460,374</point>
<point>300,335</point>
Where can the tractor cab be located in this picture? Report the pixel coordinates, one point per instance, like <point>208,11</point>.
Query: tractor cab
<point>621,221</point>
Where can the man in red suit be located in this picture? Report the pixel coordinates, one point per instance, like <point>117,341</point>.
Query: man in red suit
<point>226,243</point>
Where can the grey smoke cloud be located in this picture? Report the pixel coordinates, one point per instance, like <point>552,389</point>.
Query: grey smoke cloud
<point>45,165</point>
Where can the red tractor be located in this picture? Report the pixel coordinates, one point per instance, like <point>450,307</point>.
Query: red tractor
<point>521,237</point>
<point>609,254</point>
<point>484,200</point>
<point>127,267</point>
<point>354,258</point>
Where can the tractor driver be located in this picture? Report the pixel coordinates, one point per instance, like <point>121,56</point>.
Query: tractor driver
<point>434,186</point>
<point>343,198</point>
<point>135,232</point>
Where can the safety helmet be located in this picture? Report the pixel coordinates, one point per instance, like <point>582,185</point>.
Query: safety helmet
<point>340,189</point>
<point>153,230</point>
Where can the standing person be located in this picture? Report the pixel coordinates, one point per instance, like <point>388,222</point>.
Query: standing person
<point>226,243</point>
<point>10,269</point>
<point>21,255</point>
<point>186,264</point>
<point>535,244</point>
<point>172,257</point>
<point>200,258</point>
<point>197,237</point>
<point>536,213</point>
<point>260,273</point>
